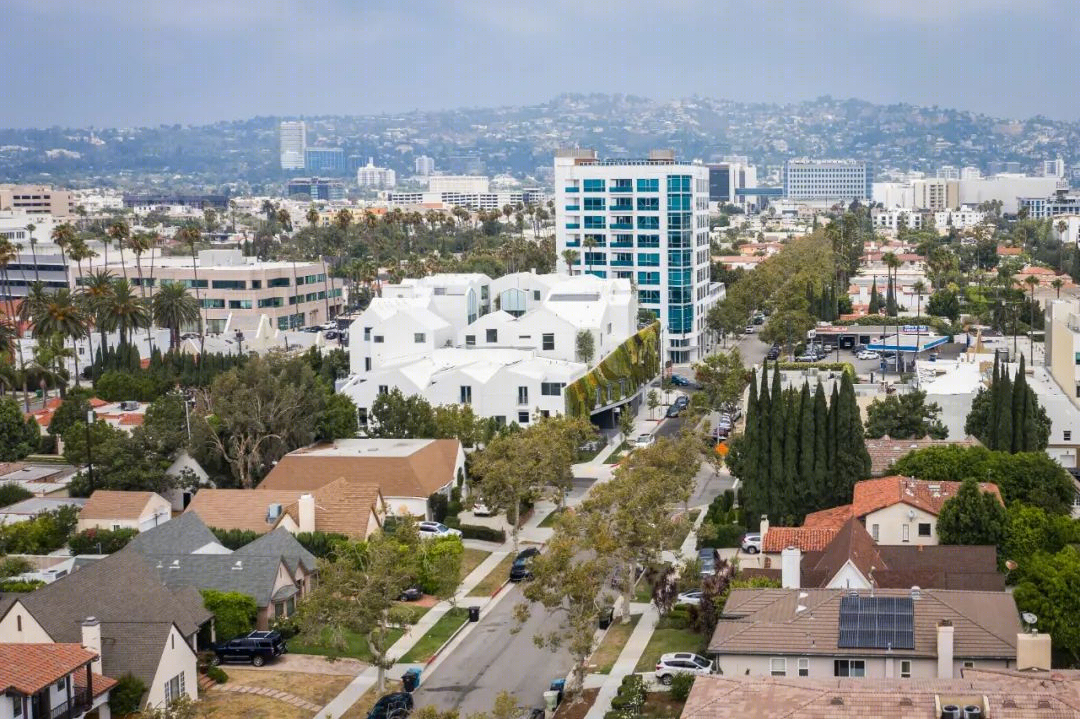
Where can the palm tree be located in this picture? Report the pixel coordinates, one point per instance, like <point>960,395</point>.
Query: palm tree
<point>191,235</point>
<point>1057,284</point>
<point>571,257</point>
<point>64,235</point>
<point>589,243</point>
<point>174,308</point>
<point>124,311</point>
<point>312,216</point>
<point>892,262</point>
<point>64,316</point>
<point>119,231</point>
<point>33,250</point>
<point>7,337</point>
<point>97,287</point>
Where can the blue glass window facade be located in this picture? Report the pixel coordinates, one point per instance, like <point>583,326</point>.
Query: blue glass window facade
<point>649,297</point>
<point>648,278</point>
<point>648,222</point>
<point>648,204</point>
<point>594,185</point>
<point>649,259</point>
<point>594,204</point>
<point>595,222</point>
<point>648,185</point>
<point>648,241</point>
<point>622,185</point>
<point>595,258</point>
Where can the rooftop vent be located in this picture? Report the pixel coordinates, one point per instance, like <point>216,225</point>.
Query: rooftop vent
<point>906,702</point>
<point>175,564</point>
<point>839,702</point>
<point>238,565</point>
<point>273,512</point>
<point>1044,704</point>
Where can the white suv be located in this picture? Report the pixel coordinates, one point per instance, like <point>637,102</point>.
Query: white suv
<point>429,530</point>
<point>681,663</point>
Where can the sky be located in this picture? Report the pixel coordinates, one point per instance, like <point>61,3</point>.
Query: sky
<point>123,63</point>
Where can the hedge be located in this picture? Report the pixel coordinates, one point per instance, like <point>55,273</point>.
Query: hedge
<point>827,366</point>
<point>476,531</point>
<point>217,674</point>
<point>234,613</point>
<point>101,541</point>
<point>630,365</point>
<point>722,535</point>
<point>940,325</point>
<point>20,585</point>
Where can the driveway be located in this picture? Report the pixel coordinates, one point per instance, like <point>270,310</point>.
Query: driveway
<point>310,664</point>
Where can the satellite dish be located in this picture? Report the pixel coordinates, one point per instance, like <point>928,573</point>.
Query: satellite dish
<point>1029,618</point>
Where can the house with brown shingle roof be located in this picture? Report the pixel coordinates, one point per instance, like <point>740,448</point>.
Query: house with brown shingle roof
<point>51,680</point>
<point>884,451</point>
<point>997,694</point>
<point>115,509</point>
<point>886,633</point>
<point>406,471</point>
<point>355,508</point>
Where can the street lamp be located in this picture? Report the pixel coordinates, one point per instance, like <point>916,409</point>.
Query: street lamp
<point>89,455</point>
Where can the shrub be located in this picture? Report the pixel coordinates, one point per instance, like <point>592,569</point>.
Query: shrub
<point>10,566</point>
<point>677,618</point>
<point>101,541</point>
<point>19,585</point>
<point>234,613</point>
<point>125,697</point>
<point>235,538</point>
<point>437,504</point>
<point>217,674</point>
<point>10,493</point>
<point>321,544</point>
<point>680,686</point>
<point>489,534</point>
<point>720,535</point>
<point>287,626</point>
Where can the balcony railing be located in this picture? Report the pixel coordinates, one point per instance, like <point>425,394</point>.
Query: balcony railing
<point>622,188</point>
<point>79,705</point>
<point>622,226</point>
<point>573,208</point>
<point>573,225</point>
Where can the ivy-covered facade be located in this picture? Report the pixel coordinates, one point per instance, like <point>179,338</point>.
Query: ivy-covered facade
<point>618,375</point>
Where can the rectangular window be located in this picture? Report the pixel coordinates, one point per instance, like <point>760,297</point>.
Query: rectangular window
<point>367,364</point>
<point>778,667</point>
<point>649,259</point>
<point>1067,435</point>
<point>924,529</point>
<point>378,339</point>
<point>470,340</point>
<point>523,417</point>
<point>547,342</point>
<point>419,337</point>
<point>229,284</point>
<point>256,284</point>
<point>466,394</point>
<point>650,241</point>
<point>648,222</point>
<point>536,295</point>
<point>969,665</point>
<point>849,668</point>
<point>905,532</point>
<point>905,669</point>
<point>17,702</point>
<point>551,389</point>
<point>874,531</point>
<point>648,185</point>
<point>648,204</point>
<point>1076,358</point>
<point>523,395</point>
<point>595,222</point>
<point>594,185</point>
<point>492,335</point>
<point>650,297</point>
<point>500,420</point>
<point>239,304</point>
<point>594,203</point>
<point>804,666</point>
<point>278,282</point>
<point>384,389</point>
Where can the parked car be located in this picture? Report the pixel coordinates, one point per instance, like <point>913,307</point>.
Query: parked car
<point>254,648</point>
<point>868,355</point>
<point>673,411</point>
<point>681,663</point>
<point>721,431</point>
<point>773,353</point>
<point>682,401</point>
<point>480,509</point>
<point>749,329</point>
<point>706,557</point>
<point>411,594</point>
<point>807,358</point>
<point>679,381</point>
<point>751,543</point>
<point>396,705</point>
<point>521,568</point>
<point>644,440</point>
<point>430,530</point>
<point>691,597</point>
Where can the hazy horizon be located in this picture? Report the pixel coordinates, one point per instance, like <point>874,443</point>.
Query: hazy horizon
<point>113,63</point>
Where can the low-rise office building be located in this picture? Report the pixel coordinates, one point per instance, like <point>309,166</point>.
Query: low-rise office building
<point>37,200</point>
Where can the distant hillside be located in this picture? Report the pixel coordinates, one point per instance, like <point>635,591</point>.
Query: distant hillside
<point>517,140</point>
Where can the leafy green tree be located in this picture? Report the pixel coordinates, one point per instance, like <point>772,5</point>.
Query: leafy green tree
<point>943,303</point>
<point>339,419</point>
<point>234,613</point>
<point>722,378</point>
<point>904,416</point>
<point>972,517</point>
<point>126,696</point>
<point>1029,477</point>
<point>101,541</point>
<point>73,409</point>
<point>43,534</point>
<point>788,327</point>
<point>396,415</point>
<point>1032,529</point>
<point>119,462</point>
<point>1048,590</point>
<point>585,346</point>
<point>440,566</point>
<point>18,436</point>
<point>10,493</point>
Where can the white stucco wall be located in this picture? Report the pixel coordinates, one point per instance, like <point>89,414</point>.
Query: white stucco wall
<point>31,632</point>
<point>158,510</point>
<point>177,656</point>
<point>822,667</point>
<point>892,520</point>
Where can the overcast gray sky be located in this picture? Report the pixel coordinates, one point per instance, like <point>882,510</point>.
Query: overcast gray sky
<point>136,62</point>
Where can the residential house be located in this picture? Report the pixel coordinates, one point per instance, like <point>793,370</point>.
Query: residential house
<point>113,509</point>
<point>52,681</point>
<point>146,629</point>
<point>881,634</point>
<point>30,508</point>
<point>355,508</point>
<point>42,480</point>
<point>406,471</point>
<point>884,451</point>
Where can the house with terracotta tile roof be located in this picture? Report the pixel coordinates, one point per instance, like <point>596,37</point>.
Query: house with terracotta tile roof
<point>406,471</point>
<point>995,693</point>
<point>116,509</point>
<point>48,681</point>
<point>881,634</point>
<point>884,451</point>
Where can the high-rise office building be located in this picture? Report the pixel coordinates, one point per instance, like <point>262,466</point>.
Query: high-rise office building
<point>37,200</point>
<point>936,194</point>
<point>948,172</point>
<point>729,175</point>
<point>316,188</point>
<point>970,173</point>
<point>1053,168</point>
<point>828,180</point>
<point>459,183</point>
<point>998,167</point>
<point>646,221</point>
<point>325,160</point>
<point>424,165</point>
<point>373,177</point>
<point>293,144</point>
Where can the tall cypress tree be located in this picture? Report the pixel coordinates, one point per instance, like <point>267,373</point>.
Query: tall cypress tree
<point>806,445</point>
<point>875,299</point>
<point>776,444</point>
<point>759,490</point>
<point>750,437</point>
<point>789,488</point>
<point>830,440</point>
<point>852,458</point>
<point>821,449</point>
<point>1019,408</point>
<point>1031,410</point>
<point>995,405</point>
<point>1004,400</point>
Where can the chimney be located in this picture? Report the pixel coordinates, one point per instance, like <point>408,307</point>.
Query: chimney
<point>945,649</point>
<point>1033,651</point>
<point>91,639</point>
<point>790,567</point>
<point>764,527</point>
<point>307,512</point>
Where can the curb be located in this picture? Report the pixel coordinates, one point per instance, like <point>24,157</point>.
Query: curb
<point>449,639</point>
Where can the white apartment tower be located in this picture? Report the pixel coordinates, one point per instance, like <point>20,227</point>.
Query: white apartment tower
<point>293,144</point>
<point>370,176</point>
<point>1053,168</point>
<point>424,165</point>
<point>646,221</point>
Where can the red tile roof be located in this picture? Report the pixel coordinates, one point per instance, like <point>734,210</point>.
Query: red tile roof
<point>871,495</point>
<point>828,518</point>
<point>29,668</point>
<point>808,539</point>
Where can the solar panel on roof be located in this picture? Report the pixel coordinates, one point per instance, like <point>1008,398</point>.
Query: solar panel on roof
<point>876,623</point>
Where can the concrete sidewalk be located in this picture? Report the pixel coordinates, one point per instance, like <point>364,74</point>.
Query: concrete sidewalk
<point>626,663</point>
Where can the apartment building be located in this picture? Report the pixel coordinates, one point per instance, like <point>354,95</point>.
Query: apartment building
<point>424,165</point>
<point>646,221</point>
<point>1063,345</point>
<point>37,200</point>
<point>1060,203</point>
<point>828,180</point>
<point>371,177</point>
<point>293,144</point>
<point>459,183</point>
<point>291,295</point>
<point>937,194</point>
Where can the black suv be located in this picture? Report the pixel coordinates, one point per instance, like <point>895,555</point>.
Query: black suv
<point>520,569</point>
<point>255,648</point>
<point>392,706</point>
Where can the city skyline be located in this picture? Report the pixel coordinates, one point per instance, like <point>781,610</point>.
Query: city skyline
<point>217,61</point>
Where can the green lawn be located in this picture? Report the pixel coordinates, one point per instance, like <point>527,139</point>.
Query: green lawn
<point>618,454</point>
<point>356,646</point>
<point>471,559</point>
<point>495,578</point>
<point>603,659</point>
<point>682,527</point>
<point>669,640</point>
<point>549,521</point>
<point>644,587</point>
<point>437,635</point>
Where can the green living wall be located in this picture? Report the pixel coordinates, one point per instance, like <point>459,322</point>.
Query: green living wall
<point>631,364</point>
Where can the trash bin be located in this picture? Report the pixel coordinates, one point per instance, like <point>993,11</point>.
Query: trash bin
<point>410,680</point>
<point>474,614</point>
<point>558,686</point>
<point>606,615</point>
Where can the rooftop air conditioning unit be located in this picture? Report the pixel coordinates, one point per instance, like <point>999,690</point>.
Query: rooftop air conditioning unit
<point>273,512</point>
<point>950,711</point>
<point>973,711</point>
